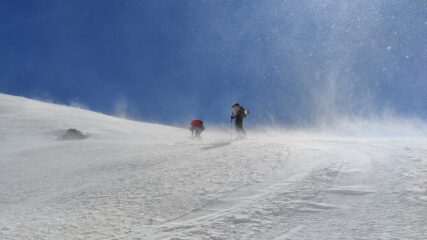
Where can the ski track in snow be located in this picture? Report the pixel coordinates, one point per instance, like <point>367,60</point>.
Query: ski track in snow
<point>133,180</point>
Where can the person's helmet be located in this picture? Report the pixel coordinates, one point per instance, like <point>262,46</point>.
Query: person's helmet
<point>235,105</point>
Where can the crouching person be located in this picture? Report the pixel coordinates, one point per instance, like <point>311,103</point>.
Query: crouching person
<point>196,128</point>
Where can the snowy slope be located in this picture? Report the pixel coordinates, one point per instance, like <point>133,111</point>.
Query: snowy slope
<point>132,180</point>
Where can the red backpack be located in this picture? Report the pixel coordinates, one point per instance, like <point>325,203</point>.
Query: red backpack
<point>197,123</point>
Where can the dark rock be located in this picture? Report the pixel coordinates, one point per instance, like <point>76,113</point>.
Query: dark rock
<point>73,134</point>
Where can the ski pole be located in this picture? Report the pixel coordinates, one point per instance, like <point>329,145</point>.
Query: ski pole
<point>231,129</point>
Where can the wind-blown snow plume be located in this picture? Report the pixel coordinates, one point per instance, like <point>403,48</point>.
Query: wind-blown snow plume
<point>316,61</point>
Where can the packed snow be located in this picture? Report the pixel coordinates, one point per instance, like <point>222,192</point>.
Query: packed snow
<point>134,180</point>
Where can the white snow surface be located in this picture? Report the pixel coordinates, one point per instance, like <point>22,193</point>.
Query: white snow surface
<point>134,180</point>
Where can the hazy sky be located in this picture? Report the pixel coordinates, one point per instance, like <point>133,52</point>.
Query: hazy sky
<point>290,61</point>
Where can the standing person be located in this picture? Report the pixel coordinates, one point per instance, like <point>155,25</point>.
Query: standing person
<point>196,128</point>
<point>239,112</point>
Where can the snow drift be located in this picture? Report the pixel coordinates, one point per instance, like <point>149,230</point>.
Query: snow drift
<point>133,180</point>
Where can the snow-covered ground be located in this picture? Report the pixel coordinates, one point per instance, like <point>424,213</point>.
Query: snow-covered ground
<point>132,180</point>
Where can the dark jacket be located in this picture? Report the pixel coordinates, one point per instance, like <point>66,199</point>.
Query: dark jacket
<point>238,117</point>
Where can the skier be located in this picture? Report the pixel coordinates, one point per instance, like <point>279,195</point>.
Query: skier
<point>239,112</point>
<point>196,128</point>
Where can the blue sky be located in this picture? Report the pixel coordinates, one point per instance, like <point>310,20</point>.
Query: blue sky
<point>169,61</point>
